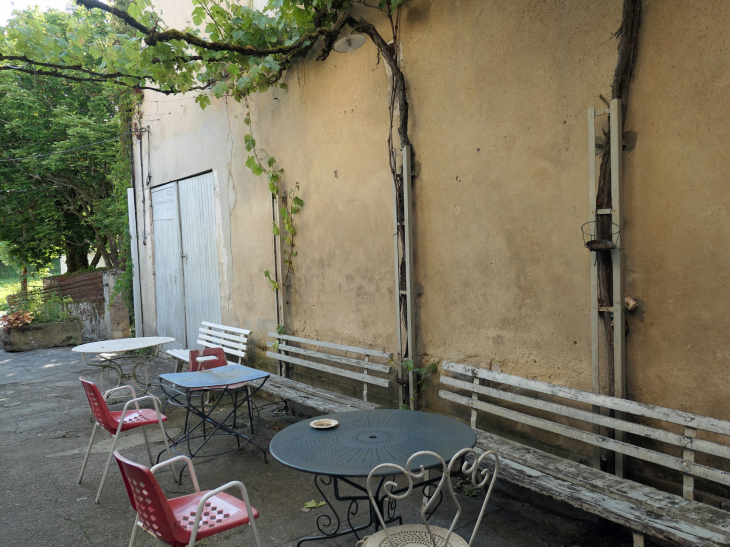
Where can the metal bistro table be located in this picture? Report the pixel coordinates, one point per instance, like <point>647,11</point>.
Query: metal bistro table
<point>362,440</point>
<point>228,379</point>
<point>111,365</point>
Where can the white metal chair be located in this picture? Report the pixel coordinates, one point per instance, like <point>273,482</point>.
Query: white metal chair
<point>425,534</point>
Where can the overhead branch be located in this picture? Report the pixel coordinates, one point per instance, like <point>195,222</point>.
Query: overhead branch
<point>153,37</point>
<point>112,78</point>
<point>388,54</point>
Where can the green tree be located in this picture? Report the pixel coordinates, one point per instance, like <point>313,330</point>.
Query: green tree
<point>58,195</point>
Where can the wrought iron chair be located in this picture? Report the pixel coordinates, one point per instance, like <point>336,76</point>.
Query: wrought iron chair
<point>184,520</point>
<point>115,422</point>
<point>425,534</point>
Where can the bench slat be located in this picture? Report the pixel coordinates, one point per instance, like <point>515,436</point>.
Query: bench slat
<point>586,416</point>
<point>292,393</point>
<point>321,393</point>
<point>352,349</point>
<point>332,370</point>
<point>632,407</point>
<point>330,357</point>
<point>220,334</point>
<point>226,327</point>
<point>604,504</point>
<point>182,354</point>
<point>226,349</point>
<point>671,462</point>
<point>222,343</point>
<point>647,497</point>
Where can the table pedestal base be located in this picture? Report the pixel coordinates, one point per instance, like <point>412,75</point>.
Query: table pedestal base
<point>331,528</point>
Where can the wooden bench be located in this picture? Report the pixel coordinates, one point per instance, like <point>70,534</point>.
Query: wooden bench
<point>355,365</point>
<point>210,335</point>
<point>643,509</point>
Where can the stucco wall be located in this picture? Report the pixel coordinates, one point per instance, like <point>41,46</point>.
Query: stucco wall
<point>498,94</point>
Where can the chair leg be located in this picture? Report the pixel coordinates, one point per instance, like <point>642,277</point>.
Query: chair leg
<point>147,444</point>
<point>106,469</point>
<point>88,451</point>
<point>134,532</point>
<point>638,539</point>
<point>169,454</point>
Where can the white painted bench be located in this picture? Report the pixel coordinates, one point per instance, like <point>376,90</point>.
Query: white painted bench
<point>356,366</point>
<point>643,509</point>
<point>211,335</point>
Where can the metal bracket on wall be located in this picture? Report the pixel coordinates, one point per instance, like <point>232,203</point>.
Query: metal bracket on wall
<point>616,212</point>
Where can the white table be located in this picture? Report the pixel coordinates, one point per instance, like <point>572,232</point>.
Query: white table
<point>111,364</point>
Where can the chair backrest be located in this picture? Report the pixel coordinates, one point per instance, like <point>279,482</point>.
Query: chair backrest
<point>353,362</point>
<point>652,429</point>
<point>472,464</point>
<point>232,339</point>
<point>219,361</point>
<point>98,406</point>
<point>150,502</point>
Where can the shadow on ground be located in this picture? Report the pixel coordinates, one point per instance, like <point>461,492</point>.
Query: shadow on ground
<point>45,425</point>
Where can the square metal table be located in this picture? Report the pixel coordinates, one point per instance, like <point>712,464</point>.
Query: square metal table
<point>230,379</point>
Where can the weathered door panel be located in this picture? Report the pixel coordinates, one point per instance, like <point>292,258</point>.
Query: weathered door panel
<point>200,253</point>
<point>169,286</point>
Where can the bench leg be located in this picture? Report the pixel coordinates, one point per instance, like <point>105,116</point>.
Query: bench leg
<point>638,539</point>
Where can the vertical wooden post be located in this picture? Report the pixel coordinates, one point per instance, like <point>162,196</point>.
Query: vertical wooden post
<point>619,331</point>
<point>276,205</point>
<point>399,333</point>
<point>688,455</point>
<point>408,228</point>
<point>474,410</point>
<point>638,539</point>
<point>592,189</point>
<point>365,384</point>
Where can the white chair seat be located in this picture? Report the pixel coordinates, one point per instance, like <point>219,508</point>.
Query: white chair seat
<point>413,535</point>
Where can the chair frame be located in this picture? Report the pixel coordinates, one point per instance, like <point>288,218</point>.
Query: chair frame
<point>201,504</point>
<point>479,479</point>
<point>135,401</point>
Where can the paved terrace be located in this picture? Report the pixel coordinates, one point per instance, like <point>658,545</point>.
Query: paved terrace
<point>44,429</point>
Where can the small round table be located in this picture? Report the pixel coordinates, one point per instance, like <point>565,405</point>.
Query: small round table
<point>112,372</point>
<point>362,440</point>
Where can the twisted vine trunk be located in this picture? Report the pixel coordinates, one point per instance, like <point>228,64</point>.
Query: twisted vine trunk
<point>628,35</point>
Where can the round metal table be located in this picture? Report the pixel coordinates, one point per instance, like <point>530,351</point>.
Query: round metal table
<point>112,372</point>
<point>362,440</point>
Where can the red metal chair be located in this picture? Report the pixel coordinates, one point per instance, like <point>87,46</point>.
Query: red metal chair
<point>184,520</point>
<point>115,422</point>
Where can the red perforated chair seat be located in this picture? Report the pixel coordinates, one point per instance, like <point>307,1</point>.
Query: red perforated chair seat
<point>134,418</point>
<point>222,512</point>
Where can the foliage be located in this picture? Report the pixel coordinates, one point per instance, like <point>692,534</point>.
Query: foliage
<point>43,307</point>
<point>53,309</point>
<point>16,319</point>
<point>423,374</point>
<point>71,202</point>
<point>261,163</point>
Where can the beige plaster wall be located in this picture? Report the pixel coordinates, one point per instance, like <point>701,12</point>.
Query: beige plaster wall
<point>498,94</point>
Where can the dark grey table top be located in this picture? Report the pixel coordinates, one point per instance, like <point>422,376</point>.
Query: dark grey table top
<point>366,438</point>
<point>221,376</point>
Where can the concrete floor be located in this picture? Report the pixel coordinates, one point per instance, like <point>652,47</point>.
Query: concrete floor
<point>45,426</point>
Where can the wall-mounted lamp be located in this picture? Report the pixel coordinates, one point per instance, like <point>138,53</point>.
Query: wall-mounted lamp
<point>349,43</point>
